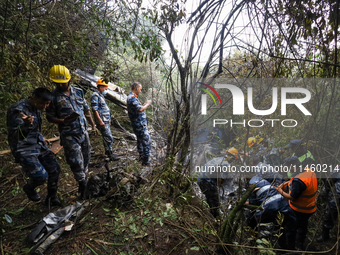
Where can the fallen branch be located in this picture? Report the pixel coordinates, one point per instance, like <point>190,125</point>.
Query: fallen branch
<point>173,249</point>
<point>9,179</point>
<point>92,249</point>
<point>70,191</point>
<point>50,140</point>
<point>4,152</point>
<point>56,147</point>
<point>253,207</point>
<point>20,228</point>
<point>275,249</point>
<point>186,230</point>
<point>2,250</point>
<point>82,234</point>
<point>107,243</point>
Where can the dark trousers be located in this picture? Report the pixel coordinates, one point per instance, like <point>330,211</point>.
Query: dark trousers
<point>209,189</point>
<point>295,229</point>
<point>330,214</point>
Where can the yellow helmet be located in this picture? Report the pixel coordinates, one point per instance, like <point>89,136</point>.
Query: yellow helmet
<point>233,151</point>
<point>251,141</point>
<point>102,83</point>
<point>60,74</point>
<point>258,140</point>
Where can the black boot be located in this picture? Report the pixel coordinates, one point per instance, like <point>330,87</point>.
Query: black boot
<point>324,235</point>
<point>52,199</point>
<point>146,161</point>
<point>31,192</point>
<point>290,242</point>
<point>82,189</point>
<point>140,159</point>
<point>112,155</point>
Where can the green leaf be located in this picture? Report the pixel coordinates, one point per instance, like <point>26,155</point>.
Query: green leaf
<point>17,211</point>
<point>25,250</point>
<point>265,241</point>
<point>8,219</point>
<point>134,229</point>
<point>106,209</point>
<point>195,248</point>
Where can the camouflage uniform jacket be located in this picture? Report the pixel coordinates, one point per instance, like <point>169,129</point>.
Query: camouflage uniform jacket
<point>99,104</point>
<point>63,105</point>
<point>24,138</point>
<point>137,118</point>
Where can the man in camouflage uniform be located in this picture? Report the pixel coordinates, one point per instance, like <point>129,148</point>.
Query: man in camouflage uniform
<point>139,122</point>
<point>29,147</point>
<point>70,111</point>
<point>102,116</point>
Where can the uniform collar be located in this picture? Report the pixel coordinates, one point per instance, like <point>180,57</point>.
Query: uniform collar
<point>62,93</point>
<point>30,106</point>
<point>100,94</point>
<point>134,94</point>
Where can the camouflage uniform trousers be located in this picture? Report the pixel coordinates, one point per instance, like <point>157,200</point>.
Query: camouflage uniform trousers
<point>143,139</point>
<point>107,137</point>
<point>77,149</point>
<point>39,166</point>
<point>330,215</point>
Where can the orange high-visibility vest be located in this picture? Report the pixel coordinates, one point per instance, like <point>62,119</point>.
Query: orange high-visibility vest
<point>306,202</point>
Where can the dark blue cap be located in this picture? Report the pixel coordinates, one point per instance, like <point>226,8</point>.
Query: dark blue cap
<point>293,160</point>
<point>293,143</point>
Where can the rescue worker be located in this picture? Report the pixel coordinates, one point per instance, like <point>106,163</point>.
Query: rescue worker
<point>139,122</point>
<point>234,157</point>
<point>266,171</point>
<point>302,201</point>
<point>252,141</point>
<point>102,117</point>
<point>209,188</point>
<point>332,193</point>
<point>269,154</point>
<point>70,111</point>
<point>304,155</point>
<point>29,147</point>
<point>256,147</point>
<point>232,151</point>
<point>211,182</point>
<point>265,195</point>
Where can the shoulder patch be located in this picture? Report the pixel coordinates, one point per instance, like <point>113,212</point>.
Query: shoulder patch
<point>79,90</point>
<point>62,102</point>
